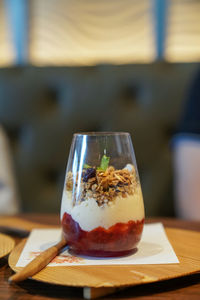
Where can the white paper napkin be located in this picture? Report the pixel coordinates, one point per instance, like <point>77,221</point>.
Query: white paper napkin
<point>154,248</point>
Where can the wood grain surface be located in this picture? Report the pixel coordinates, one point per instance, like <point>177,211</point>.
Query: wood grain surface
<point>187,287</point>
<point>90,32</point>
<point>184,243</point>
<point>6,245</point>
<point>18,225</point>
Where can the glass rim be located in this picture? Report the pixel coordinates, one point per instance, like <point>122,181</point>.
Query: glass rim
<point>101,133</point>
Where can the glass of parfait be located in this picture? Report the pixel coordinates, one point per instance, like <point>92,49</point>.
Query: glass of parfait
<point>102,210</point>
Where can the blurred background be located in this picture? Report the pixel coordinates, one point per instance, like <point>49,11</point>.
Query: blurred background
<point>89,65</point>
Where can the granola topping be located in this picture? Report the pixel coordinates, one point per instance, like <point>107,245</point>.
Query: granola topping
<point>104,186</point>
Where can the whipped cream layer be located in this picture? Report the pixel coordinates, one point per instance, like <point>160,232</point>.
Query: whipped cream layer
<point>90,216</point>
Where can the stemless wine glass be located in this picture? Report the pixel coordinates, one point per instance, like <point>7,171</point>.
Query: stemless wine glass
<point>102,210</point>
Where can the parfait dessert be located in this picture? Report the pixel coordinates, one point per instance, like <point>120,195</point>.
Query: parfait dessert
<point>102,211</point>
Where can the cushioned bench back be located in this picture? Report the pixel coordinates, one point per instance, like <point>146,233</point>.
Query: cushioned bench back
<point>41,108</point>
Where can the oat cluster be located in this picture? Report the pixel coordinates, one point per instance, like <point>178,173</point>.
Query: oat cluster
<point>104,186</point>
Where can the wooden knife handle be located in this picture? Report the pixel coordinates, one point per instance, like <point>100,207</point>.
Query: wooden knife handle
<point>37,264</point>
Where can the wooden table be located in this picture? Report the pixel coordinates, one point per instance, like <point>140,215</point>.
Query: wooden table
<point>181,288</point>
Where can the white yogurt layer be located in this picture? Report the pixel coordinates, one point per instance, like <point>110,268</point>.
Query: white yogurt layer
<point>89,215</point>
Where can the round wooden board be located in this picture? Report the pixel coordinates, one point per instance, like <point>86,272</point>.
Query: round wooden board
<point>6,244</point>
<point>185,243</point>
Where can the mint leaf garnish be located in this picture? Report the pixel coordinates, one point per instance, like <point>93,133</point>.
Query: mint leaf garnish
<point>104,163</point>
<point>86,166</point>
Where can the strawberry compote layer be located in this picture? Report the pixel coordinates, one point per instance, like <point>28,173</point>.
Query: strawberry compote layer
<point>119,239</point>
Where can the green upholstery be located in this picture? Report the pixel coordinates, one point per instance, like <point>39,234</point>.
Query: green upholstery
<point>40,109</point>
